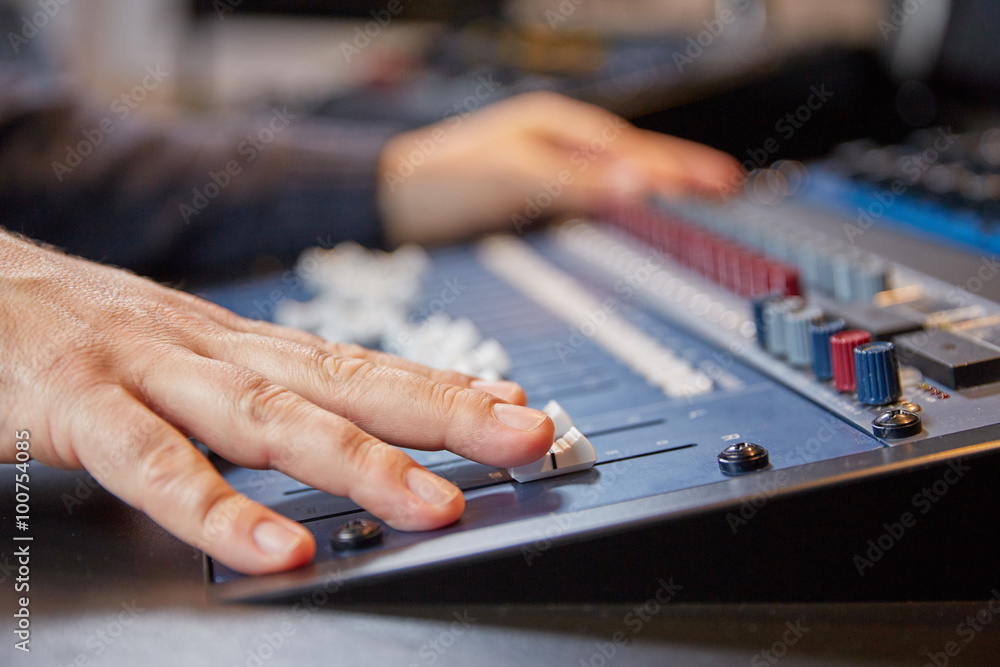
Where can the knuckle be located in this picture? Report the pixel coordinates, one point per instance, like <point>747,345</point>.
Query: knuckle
<point>348,371</point>
<point>163,320</point>
<point>160,313</point>
<point>225,317</point>
<point>279,333</point>
<point>380,358</point>
<point>366,454</point>
<point>261,401</point>
<point>167,477</point>
<point>448,401</point>
<point>125,451</point>
<point>451,377</point>
<point>345,367</point>
<point>164,472</point>
<point>351,350</point>
<point>75,363</point>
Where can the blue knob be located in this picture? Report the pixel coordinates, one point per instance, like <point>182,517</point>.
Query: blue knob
<point>877,373</point>
<point>820,338</point>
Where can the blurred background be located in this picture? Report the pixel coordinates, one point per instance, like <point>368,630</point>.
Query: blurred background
<point>724,72</point>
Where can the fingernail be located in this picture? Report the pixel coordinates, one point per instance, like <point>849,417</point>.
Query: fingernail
<point>504,389</point>
<point>274,539</point>
<point>518,416</point>
<point>430,488</point>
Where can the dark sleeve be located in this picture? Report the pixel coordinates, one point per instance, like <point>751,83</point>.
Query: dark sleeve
<point>189,202</point>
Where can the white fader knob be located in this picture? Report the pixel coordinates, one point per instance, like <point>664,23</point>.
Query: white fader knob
<point>563,422</point>
<point>571,451</point>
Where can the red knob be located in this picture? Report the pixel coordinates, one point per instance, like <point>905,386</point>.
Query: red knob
<point>685,246</point>
<point>760,273</point>
<point>725,264</point>
<point>784,279</point>
<point>842,346</point>
<point>672,243</point>
<point>744,272</point>
<point>701,252</point>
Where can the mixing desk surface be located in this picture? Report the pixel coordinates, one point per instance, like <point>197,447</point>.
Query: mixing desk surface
<point>789,396</point>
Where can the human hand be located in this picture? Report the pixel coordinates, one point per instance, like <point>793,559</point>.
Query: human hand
<point>111,372</point>
<point>532,156</point>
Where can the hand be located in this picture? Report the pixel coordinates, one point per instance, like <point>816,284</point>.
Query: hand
<point>112,373</point>
<point>529,157</point>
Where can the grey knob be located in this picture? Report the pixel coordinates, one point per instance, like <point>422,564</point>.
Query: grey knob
<point>774,318</point>
<point>798,343</point>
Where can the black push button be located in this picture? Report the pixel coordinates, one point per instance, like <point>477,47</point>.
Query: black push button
<point>743,457</point>
<point>356,534</point>
<point>895,424</point>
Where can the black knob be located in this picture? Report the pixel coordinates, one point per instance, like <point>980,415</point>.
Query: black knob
<point>895,424</point>
<point>356,534</point>
<point>743,457</point>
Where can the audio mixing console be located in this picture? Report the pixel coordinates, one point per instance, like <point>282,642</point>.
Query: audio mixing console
<point>785,402</point>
